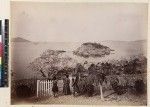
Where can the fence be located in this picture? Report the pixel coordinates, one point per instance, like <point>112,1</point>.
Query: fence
<point>44,88</point>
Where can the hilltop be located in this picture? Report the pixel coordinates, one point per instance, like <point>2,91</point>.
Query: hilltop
<point>92,50</point>
<point>19,39</point>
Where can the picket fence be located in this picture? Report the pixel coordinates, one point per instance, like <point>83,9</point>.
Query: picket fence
<point>44,88</point>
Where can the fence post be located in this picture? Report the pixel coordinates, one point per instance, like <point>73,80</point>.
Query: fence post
<point>70,77</point>
<point>48,88</point>
<point>44,88</point>
<point>101,91</point>
<point>51,93</point>
<point>37,89</point>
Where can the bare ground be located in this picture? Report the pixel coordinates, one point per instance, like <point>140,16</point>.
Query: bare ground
<point>110,99</point>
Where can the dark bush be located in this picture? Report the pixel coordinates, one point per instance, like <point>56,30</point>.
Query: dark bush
<point>139,87</point>
<point>23,91</point>
<point>90,90</point>
<point>118,88</point>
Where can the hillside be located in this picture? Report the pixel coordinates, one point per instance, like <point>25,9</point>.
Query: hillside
<point>92,50</point>
<point>19,39</point>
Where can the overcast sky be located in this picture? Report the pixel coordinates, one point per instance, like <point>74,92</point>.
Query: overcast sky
<point>77,22</point>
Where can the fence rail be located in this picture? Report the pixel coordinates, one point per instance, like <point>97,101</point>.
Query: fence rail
<point>44,88</point>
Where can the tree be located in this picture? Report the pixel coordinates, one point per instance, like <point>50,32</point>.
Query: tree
<point>51,62</point>
<point>101,79</point>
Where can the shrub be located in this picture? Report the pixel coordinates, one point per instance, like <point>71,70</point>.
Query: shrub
<point>90,90</point>
<point>23,91</point>
<point>119,89</point>
<point>139,86</point>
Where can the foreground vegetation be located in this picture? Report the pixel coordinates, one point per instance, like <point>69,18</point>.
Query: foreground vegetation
<point>122,77</point>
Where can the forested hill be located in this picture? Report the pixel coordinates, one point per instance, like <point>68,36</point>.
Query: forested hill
<point>92,50</point>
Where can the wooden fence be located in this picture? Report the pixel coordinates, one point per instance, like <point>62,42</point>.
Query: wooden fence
<point>44,88</point>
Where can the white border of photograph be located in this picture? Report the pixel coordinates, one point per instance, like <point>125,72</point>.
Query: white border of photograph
<point>4,13</point>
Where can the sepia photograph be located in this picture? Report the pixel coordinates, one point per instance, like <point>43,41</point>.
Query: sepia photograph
<point>82,53</point>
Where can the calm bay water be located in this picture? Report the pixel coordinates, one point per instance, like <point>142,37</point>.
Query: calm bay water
<point>22,53</point>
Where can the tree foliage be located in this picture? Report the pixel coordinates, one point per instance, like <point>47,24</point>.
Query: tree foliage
<point>51,63</point>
